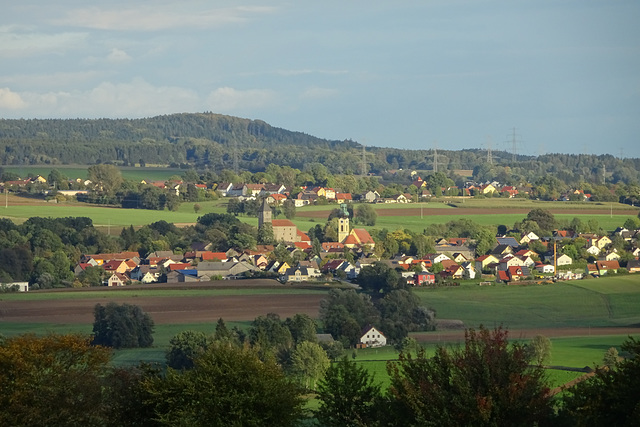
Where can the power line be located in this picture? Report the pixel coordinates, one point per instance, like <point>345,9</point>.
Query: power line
<point>514,144</point>
<point>489,156</point>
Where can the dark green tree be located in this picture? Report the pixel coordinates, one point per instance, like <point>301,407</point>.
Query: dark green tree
<point>122,326</point>
<point>349,396</point>
<point>545,219</point>
<point>289,209</point>
<point>365,214</point>
<point>302,328</point>
<point>610,397</point>
<point>185,347</point>
<point>228,386</point>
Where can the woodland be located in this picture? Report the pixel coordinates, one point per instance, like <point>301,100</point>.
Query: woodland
<point>214,142</point>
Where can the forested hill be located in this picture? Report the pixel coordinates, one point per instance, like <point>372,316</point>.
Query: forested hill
<point>201,139</point>
<point>215,142</point>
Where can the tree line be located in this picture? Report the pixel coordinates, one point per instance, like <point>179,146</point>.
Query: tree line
<point>209,141</point>
<point>65,380</point>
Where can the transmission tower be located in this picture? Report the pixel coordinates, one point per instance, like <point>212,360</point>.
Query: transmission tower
<point>514,144</point>
<point>235,154</point>
<point>364,160</point>
<point>435,158</point>
<point>489,157</point>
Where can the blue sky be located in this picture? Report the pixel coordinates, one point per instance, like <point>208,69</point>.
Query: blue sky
<point>410,74</point>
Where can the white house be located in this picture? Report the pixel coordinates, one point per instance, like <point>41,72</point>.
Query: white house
<point>564,260</point>
<point>545,268</point>
<point>372,337</point>
<point>593,250</point>
<point>20,286</point>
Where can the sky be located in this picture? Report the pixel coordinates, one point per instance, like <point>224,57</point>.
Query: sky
<point>555,76</point>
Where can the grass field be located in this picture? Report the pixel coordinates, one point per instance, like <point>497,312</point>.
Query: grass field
<point>577,352</point>
<point>75,171</point>
<point>612,301</point>
<point>434,213</point>
<point>164,293</point>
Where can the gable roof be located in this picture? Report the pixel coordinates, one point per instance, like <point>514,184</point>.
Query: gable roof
<point>509,241</point>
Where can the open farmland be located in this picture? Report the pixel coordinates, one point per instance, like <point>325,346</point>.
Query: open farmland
<point>202,303</point>
<point>414,217</point>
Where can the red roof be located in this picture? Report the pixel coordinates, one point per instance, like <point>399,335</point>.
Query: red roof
<point>209,256</point>
<point>502,275</point>
<point>363,236</point>
<point>303,237</point>
<point>277,196</point>
<point>608,265</point>
<point>515,271</point>
<point>331,245</point>
<point>350,240</point>
<point>179,266</point>
<point>302,245</point>
<point>282,223</point>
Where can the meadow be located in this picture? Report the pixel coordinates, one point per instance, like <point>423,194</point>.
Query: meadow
<point>572,352</point>
<point>604,302</point>
<point>77,171</point>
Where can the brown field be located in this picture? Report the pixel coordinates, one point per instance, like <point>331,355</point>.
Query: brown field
<point>166,310</point>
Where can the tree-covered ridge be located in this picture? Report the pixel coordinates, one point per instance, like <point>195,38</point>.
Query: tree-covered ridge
<point>215,142</point>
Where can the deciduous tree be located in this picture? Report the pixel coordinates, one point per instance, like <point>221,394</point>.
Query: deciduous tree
<point>349,396</point>
<point>486,382</point>
<point>228,386</point>
<point>122,326</point>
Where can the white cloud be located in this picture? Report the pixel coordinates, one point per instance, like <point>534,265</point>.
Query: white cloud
<point>310,71</point>
<point>134,99</point>
<point>319,93</point>
<point>10,100</point>
<point>118,55</point>
<point>20,44</point>
<point>226,99</point>
<point>157,17</point>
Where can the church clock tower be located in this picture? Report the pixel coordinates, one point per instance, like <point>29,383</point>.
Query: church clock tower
<point>265,214</point>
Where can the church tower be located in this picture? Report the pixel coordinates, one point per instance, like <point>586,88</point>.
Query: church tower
<point>343,223</point>
<point>264,215</point>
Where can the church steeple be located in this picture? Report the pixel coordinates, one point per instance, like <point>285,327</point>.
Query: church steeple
<point>343,223</point>
<point>265,214</point>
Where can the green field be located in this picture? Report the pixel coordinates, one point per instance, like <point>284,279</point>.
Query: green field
<point>76,171</point>
<point>101,294</point>
<point>575,352</point>
<point>564,304</point>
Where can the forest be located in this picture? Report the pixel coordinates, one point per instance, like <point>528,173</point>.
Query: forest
<point>214,142</point>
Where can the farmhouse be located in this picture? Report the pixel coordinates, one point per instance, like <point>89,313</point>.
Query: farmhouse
<point>605,266</point>
<point>20,286</point>
<point>371,337</point>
